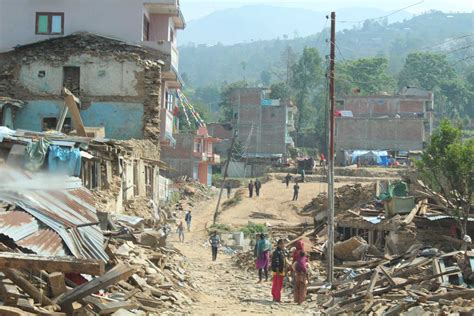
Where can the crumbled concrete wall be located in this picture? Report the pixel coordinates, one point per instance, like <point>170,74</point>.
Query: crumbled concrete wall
<point>139,69</point>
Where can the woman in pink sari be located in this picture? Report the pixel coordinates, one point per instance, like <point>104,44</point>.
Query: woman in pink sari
<point>262,253</point>
<point>300,268</point>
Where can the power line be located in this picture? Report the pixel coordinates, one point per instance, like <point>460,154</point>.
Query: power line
<point>385,16</point>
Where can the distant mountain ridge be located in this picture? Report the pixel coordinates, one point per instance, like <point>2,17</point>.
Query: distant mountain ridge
<point>204,65</point>
<point>264,22</point>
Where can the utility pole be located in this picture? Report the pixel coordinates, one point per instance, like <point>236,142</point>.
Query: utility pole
<point>229,157</point>
<point>332,123</point>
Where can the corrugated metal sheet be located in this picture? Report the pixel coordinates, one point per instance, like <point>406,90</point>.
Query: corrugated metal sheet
<point>44,242</point>
<point>65,210</point>
<point>440,217</point>
<point>25,231</point>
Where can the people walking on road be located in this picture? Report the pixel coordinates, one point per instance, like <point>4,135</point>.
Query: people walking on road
<point>300,267</point>
<point>215,242</point>
<point>287,179</point>
<point>229,189</point>
<point>180,231</point>
<point>188,219</point>
<point>262,253</point>
<point>278,270</point>
<point>296,189</point>
<point>258,186</point>
<point>250,189</point>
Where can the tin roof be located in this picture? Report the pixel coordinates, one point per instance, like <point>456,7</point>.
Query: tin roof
<point>61,204</point>
<point>25,231</point>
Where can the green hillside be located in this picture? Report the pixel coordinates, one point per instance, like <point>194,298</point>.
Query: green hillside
<point>265,61</point>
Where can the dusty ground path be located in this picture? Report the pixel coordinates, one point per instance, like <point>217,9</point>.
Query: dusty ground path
<point>226,289</point>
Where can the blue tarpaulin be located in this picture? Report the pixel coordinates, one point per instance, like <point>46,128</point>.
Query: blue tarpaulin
<point>380,157</point>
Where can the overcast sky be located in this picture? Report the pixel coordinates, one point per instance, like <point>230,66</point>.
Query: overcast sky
<point>194,9</point>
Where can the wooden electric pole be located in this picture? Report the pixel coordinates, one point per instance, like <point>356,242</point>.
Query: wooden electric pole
<point>229,157</point>
<point>332,123</point>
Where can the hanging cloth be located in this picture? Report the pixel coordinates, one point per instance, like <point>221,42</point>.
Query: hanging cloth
<point>35,154</point>
<point>64,160</point>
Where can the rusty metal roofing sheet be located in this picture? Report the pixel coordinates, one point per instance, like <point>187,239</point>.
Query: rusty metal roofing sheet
<point>63,205</point>
<point>44,242</point>
<point>25,231</point>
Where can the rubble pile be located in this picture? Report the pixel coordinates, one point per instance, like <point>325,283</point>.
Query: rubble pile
<point>413,284</point>
<point>346,197</point>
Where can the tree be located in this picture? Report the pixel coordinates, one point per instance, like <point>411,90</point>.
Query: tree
<point>425,71</point>
<point>280,90</point>
<point>447,166</point>
<point>369,75</point>
<point>306,77</point>
<point>265,77</point>
<point>225,104</point>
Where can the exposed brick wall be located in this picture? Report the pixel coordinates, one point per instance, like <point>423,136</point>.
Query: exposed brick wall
<point>379,134</point>
<point>383,105</point>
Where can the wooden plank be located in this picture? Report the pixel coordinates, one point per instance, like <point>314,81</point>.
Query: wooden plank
<point>13,311</point>
<point>50,263</point>
<point>56,283</point>
<point>385,273</point>
<point>75,114</point>
<point>119,272</point>
<point>373,281</point>
<point>27,287</point>
<point>107,308</point>
<point>9,293</point>
<point>465,294</point>
<point>412,214</point>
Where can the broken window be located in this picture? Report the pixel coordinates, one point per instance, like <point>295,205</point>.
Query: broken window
<point>50,123</point>
<point>149,181</point>
<point>146,29</point>
<point>72,79</point>
<point>49,23</point>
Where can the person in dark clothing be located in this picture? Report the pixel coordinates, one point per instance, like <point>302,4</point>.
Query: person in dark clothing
<point>188,219</point>
<point>287,179</point>
<point>278,269</point>
<point>296,189</point>
<point>215,242</point>
<point>258,186</point>
<point>229,189</point>
<point>250,188</point>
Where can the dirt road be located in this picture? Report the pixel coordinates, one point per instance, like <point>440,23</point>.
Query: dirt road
<point>226,290</point>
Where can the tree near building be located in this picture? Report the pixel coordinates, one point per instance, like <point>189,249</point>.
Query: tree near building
<point>307,75</point>
<point>369,75</point>
<point>447,167</point>
<point>225,104</point>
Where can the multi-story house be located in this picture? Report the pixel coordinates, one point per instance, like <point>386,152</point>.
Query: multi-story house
<point>262,124</point>
<point>395,123</point>
<point>152,24</point>
<point>118,57</point>
<point>193,155</point>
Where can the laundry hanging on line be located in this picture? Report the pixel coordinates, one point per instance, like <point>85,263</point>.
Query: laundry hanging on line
<point>64,160</point>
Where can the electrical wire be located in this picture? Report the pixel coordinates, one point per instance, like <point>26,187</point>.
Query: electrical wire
<point>384,16</point>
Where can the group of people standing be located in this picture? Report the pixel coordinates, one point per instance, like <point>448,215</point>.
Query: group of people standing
<point>297,269</point>
<point>257,185</point>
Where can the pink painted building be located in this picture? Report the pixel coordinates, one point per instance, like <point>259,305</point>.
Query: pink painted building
<point>193,155</point>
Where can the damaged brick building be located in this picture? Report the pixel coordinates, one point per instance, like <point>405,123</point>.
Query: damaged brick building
<point>124,78</point>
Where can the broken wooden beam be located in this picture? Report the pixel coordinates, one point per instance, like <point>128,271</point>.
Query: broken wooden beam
<point>118,273</point>
<point>50,263</point>
<point>17,278</point>
<point>56,283</point>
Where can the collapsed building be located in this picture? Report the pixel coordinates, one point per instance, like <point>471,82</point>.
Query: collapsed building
<point>119,89</point>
